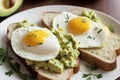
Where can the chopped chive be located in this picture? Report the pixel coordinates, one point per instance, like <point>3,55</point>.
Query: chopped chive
<point>92,68</point>
<point>57,25</point>
<point>94,38</point>
<point>89,37</point>
<point>67,16</point>
<point>99,31</point>
<point>66,21</point>
<point>9,73</point>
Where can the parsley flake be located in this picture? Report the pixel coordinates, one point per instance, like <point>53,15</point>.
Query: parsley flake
<point>9,73</point>
<point>90,74</point>
<point>57,25</point>
<point>111,28</point>
<point>67,16</point>
<point>15,67</point>
<point>99,31</point>
<point>90,37</point>
<point>66,21</point>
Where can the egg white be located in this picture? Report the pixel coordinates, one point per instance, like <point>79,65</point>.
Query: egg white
<point>49,49</point>
<point>96,36</point>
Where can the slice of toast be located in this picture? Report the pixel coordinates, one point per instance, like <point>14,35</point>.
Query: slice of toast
<point>104,58</point>
<point>66,75</point>
<point>47,75</point>
<point>41,73</point>
<point>48,17</point>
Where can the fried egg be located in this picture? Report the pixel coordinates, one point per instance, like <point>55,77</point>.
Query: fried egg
<point>35,43</point>
<point>87,32</point>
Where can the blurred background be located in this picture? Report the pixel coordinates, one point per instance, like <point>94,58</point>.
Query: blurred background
<point>110,7</point>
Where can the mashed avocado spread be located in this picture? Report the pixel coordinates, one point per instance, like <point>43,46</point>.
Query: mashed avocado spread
<point>68,52</point>
<point>90,14</point>
<point>24,23</point>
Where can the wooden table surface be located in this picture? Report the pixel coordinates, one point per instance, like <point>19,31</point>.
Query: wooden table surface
<point>110,7</point>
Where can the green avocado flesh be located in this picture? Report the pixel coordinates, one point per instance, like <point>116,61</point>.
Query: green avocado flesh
<point>6,10</point>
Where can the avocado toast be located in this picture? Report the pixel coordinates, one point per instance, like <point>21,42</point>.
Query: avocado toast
<point>37,68</point>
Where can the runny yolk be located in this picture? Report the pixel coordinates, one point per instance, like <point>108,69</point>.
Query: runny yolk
<point>78,25</point>
<point>35,37</point>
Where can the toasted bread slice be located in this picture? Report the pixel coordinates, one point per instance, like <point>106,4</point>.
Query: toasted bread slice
<point>43,74</point>
<point>47,75</point>
<point>48,17</point>
<point>104,58</point>
<point>67,74</point>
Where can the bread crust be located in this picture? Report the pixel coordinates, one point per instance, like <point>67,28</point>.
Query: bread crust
<point>77,67</point>
<point>96,61</point>
<point>43,77</point>
<point>118,52</point>
<point>48,22</point>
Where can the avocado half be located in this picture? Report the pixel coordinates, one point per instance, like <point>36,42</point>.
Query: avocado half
<point>6,10</point>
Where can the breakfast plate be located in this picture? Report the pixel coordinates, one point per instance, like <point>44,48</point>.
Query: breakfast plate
<point>34,16</point>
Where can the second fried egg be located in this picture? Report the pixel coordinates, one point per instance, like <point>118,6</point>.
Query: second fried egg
<point>87,32</point>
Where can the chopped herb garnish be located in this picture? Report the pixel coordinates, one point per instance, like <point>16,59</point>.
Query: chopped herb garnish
<point>65,55</point>
<point>92,67</point>
<point>67,16</point>
<point>99,31</point>
<point>9,73</point>
<point>67,42</point>
<point>89,78</point>
<point>15,67</point>
<point>57,25</point>
<point>90,74</point>
<point>83,20</point>
<point>2,56</point>
<point>111,28</point>
<point>95,28</point>
<point>85,75</point>
<point>32,24</point>
<point>66,21</point>
<point>99,76</point>
<point>94,38</point>
<point>90,37</point>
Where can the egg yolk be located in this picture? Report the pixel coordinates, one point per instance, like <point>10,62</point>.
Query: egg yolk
<point>35,37</point>
<point>78,25</point>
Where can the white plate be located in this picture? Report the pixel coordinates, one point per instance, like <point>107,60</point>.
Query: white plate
<point>34,16</point>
